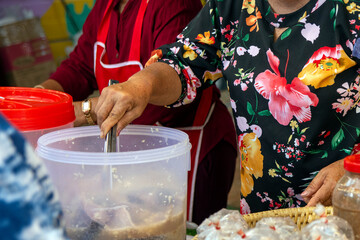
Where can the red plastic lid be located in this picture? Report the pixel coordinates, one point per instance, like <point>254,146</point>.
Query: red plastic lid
<point>33,108</point>
<point>352,163</point>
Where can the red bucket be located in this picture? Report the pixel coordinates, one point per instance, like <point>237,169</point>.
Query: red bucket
<point>35,111</point>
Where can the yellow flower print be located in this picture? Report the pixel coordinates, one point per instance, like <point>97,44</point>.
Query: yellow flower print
<point>212,75</point>
<point>346,1</point>
<point>293,124</point>
<point>352,8</point>
<point>322,68</point>
<point>252,20</point>
<point>251,161</point>
<point>206,39</point>
<point>218,53</point>
<point>249,5</point>
<point>272,172</point>
<point>189,53</point>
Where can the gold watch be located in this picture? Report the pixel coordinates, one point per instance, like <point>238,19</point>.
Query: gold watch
<point>86,109</point>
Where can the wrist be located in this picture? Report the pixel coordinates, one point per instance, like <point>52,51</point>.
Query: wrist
<point>86,107</point>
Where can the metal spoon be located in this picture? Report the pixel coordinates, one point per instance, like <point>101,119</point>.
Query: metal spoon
<point>110,142</point>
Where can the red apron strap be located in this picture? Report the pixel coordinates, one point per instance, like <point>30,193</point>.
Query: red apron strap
<point>104,25</point>
<point>134,54</point>
<point>204,107</point>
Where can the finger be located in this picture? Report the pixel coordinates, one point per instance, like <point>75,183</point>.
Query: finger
<point>321,196</point>
<point>126,119</point>
<point>113,118</point>
<point>313,187</point>
<point>104,105</point>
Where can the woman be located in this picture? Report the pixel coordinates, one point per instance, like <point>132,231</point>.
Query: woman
<point>292,73</point>
<point>118,37</point>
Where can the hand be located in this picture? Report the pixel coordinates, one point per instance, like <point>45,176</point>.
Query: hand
<point>321,187</point>
<point>120,104</point>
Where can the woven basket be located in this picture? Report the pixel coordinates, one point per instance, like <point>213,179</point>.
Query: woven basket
<point>301,216</point>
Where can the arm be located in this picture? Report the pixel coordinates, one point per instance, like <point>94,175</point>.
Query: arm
<point>157,84</point>
<point>195,59</point>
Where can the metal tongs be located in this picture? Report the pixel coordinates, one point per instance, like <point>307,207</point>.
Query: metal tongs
<point>110,139</point>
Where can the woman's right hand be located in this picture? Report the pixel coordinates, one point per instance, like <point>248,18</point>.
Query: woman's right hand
<point>122,103</point>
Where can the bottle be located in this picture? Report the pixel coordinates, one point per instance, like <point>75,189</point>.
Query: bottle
<point>346,195</point>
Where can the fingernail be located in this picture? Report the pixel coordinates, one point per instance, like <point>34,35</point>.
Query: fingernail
<point>304,194</point>
<point>101,134</point>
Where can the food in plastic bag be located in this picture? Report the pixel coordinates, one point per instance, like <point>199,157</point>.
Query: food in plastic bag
<point>224,224</point>
<point>328,228</point>
<point>261,233</point>
<point>284,226</point>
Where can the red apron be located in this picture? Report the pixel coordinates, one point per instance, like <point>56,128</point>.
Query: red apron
<point>105,71</point>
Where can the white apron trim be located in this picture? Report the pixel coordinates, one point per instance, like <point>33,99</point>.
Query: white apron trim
<point>109,66</point>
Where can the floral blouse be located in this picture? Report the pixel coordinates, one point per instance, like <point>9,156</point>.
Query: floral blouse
<point>295,101</point>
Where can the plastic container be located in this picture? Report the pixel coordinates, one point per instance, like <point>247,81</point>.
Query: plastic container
<point>346,195</point>
<point>35,111</point>
<point>136,193</point>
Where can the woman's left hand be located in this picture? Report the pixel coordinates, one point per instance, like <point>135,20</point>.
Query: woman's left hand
<point>321,187</point>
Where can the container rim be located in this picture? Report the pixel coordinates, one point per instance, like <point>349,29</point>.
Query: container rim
<point>115,158</point>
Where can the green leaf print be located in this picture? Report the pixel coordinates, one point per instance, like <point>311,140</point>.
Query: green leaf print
<point>347,150</point>
<point>285,34</point>
<point>325,155</point>
<point>250,109</point>
<point>246,38</point>
<point>337,139</point>
<point>332,13</point>
<point>264,113</point>
<point>357,131</point>
<point>304,130</point>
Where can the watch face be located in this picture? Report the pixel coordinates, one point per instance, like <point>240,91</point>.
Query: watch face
<point>86,106</point>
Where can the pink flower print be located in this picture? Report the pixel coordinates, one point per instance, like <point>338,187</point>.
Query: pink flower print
<point>256,129</point>
<point>224,30</point>
<point>290,192</point>
<point>346,90</point>
<point>243,86</point>
<point>303,137</point>
<point>253,50</point>
<point>242,123</point>
<point>343,105</point>
<point>233,104</point>
<point>244,207</point>
<point>296,142</point>
<point>237,82</point>
<point>285,100</point>
<point>240,51</point>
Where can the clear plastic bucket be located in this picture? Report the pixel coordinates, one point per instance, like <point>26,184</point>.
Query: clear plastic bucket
<point>136,193</point>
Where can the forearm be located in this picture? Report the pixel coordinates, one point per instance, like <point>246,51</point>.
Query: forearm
<point>53,85</point>
<point>162,81</point>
